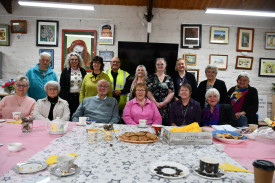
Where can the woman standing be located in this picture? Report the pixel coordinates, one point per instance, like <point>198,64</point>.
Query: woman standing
<point>161,89</point>
<point>71,80</point>
<point>140,77</point>
<point>89,84</point>
<point>181,77</point>
<point>185,111</point>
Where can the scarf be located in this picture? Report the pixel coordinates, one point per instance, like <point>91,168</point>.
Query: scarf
<point>211,119</point>
<point>237,94</point>
<point>53,101</point>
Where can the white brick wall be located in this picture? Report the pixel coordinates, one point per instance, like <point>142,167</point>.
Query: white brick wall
<point>23,53</point>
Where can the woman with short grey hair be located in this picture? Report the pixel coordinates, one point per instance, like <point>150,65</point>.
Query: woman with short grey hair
<point>212,82</point>
<point>52,106</point>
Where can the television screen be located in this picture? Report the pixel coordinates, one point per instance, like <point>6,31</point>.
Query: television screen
<point>132,54</point>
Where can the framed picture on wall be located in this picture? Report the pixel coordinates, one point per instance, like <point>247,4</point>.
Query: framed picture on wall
<point>245,39</point>
<point>4,35</point>
<point>267,67</point>
<point>190,36</point>
<point>190,59</point>
<point>106,55</point>
<point>19,26</point>
<point>219,60</point>
<point>106,34</point>
<point>80,41</point>
<point>270,40</point>
<point>244,62</point>
<point>51,52</point>
<point>196,73</point>
<point>219,35</point>
<point>47,33</point>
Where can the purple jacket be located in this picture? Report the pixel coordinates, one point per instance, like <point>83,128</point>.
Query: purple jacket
<point>133,113</point>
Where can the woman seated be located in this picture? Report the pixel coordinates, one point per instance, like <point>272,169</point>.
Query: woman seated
<point>52,106</point>
<point>185,111</point>
<point>141,108</point>
<point>216,113</point>
<point>18,102</point>
<point>244,99</point>
<point>140,77</point>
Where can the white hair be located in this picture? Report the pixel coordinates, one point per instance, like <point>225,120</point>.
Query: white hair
<point>243,74</point>
<point>45,54</point>
<point>22,79</point>
<point>51,83</point>
<point>100,81</point>
<point>67,64</point>
<point>211,66</point>
<point>212,91</point>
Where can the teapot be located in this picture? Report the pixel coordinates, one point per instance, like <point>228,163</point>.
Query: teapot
<point>57,126</point>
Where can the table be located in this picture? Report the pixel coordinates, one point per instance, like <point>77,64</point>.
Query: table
<point>125,162</point>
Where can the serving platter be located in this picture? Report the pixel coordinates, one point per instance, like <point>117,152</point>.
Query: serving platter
<point>138,142</point>
<point>30,166</point>
<point>229,141</point>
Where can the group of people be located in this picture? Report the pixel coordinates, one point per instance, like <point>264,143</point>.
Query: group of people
<point>158,98</point>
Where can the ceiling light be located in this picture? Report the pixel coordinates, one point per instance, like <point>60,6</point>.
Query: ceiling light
<point>56,5</point>
<point>240,12</point>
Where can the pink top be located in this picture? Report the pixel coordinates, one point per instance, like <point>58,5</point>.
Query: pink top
<point>15,103</point>
<point>133,113</point>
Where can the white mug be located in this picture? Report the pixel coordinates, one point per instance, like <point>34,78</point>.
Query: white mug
<point>142,122</point>
<point>82,120</point>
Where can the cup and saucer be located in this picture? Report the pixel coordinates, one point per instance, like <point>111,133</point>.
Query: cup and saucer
<point>65,166</point>
<point>142,123</point>
<point>209,169</point>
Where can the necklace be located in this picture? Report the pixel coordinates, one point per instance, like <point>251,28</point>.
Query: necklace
<point>184,112</point>
<point>18,104</point>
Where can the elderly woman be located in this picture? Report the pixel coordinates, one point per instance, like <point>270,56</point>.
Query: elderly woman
<point>18,102</point>
<point>212,82</point>
<point>89,84</point>
<point>141,108</point>
<point>52,106</point>
<point>181,77</point>
<point>140,77</point>
<point>244,99</point>
<point>187,110</point>
<point>71,80</point>
<point>216,113</point>
<point>161,89</point>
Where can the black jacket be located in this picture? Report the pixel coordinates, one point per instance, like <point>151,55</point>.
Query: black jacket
<point>250,104</point>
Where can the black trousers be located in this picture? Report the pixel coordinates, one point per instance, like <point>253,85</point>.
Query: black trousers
<point>73,101</point>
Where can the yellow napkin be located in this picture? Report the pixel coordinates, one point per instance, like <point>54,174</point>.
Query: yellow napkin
<point>194,127</point>
<point>103,130</point>
<point>52,158</point>
<point>229,167</point>
<point>14,121</point>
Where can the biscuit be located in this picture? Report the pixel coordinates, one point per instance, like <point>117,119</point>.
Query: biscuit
<point>140,133</point>
<point>151,136</point>
<point>129,134</point>
<point>134,138</point>
<point>143,138</point>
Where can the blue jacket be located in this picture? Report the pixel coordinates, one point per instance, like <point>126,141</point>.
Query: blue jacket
<point>37,82</point>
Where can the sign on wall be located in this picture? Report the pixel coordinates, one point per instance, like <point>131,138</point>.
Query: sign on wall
<point>262,110</point>
<point>106,34</point>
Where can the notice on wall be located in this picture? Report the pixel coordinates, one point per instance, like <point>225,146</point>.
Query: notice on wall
<point>262,110</point>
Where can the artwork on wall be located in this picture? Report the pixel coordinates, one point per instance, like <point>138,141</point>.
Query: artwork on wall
<point>219,60</point>
<point>245,39</point>
<point>267,67</point>
<point>19,26</point>
<point>82,42</point>
<point>219,35</point>
<point>106,55</point>
<point>196,73</point>
<point>270,40</point>
<point>190,36</point>
<point>51,52</point>
<point>190,59</point>
<point>106,34</point>
<point>47,33</point>
<point>4,35</point>
<point>244,62</point>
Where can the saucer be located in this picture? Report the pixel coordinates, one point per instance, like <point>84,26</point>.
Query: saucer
<point>56,171</point>
<point>216,176</point>
<point>80,124</point>
<point>142,126</point>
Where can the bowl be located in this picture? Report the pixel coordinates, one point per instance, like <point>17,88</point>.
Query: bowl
<point>15,146</point>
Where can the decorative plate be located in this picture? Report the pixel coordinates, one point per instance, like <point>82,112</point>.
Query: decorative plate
<point>138,142</point>
<point>216,176</point>
<point>169,170</point>
<point>229,141</point>
<point>30,166</point>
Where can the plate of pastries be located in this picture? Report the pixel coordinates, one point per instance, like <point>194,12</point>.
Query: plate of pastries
<point>138,137</point>
<point>229,137</point>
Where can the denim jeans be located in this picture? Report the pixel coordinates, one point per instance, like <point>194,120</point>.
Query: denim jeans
<point>242,121</point>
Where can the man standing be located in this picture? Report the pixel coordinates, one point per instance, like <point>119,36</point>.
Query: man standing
<point>120,83</point>
<point>39,76</point>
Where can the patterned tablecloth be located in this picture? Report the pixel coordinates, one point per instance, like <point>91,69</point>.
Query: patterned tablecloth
<point>125,162</point>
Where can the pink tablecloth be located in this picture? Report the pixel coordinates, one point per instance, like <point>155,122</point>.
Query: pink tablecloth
<point>32,142</point>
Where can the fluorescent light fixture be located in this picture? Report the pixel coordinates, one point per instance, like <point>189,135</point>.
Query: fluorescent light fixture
<point>240,12</point>
<point>56,5</point>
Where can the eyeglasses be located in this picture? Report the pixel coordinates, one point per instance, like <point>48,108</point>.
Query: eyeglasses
<point>74,60</point>
<point>116,62</point>
<point>24,86</point>
<point>52,89</point>
<point>100,86</point>
<point>140,90</point>
<point>159,64</point>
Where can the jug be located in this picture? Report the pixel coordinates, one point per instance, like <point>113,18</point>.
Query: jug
<point>57,126</point>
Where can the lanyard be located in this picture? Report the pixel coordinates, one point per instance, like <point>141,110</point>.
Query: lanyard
<point>184,112</point>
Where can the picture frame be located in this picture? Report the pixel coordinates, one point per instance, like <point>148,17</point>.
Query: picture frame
<point>244,63</point>
<point>4,35</point>
<point>196,73</point>
<point>80,41</point>
<point>19,26</point>
<point>47,33</point>
<point>219,35</point>
<point>270,40</point>
<point>220,61</point>
<point>51,52</point>
<point>106,34</point>
<point>191,36</point>
<point>190,59</point>
<point>267,67</point>
<point>245,39</point>
<point>106,55</point>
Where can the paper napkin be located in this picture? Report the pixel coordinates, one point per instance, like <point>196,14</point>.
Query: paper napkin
<point>14,121</point>
<point>103,130</point>
<point>52,158</point>
<point>229,167</point>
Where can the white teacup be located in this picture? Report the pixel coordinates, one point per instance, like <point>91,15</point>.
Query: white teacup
<point>142,122</point>
<point>65,163</point>
<point>82,120</point>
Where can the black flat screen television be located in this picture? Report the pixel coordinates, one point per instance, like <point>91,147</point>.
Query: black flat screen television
<point>132,54</point>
